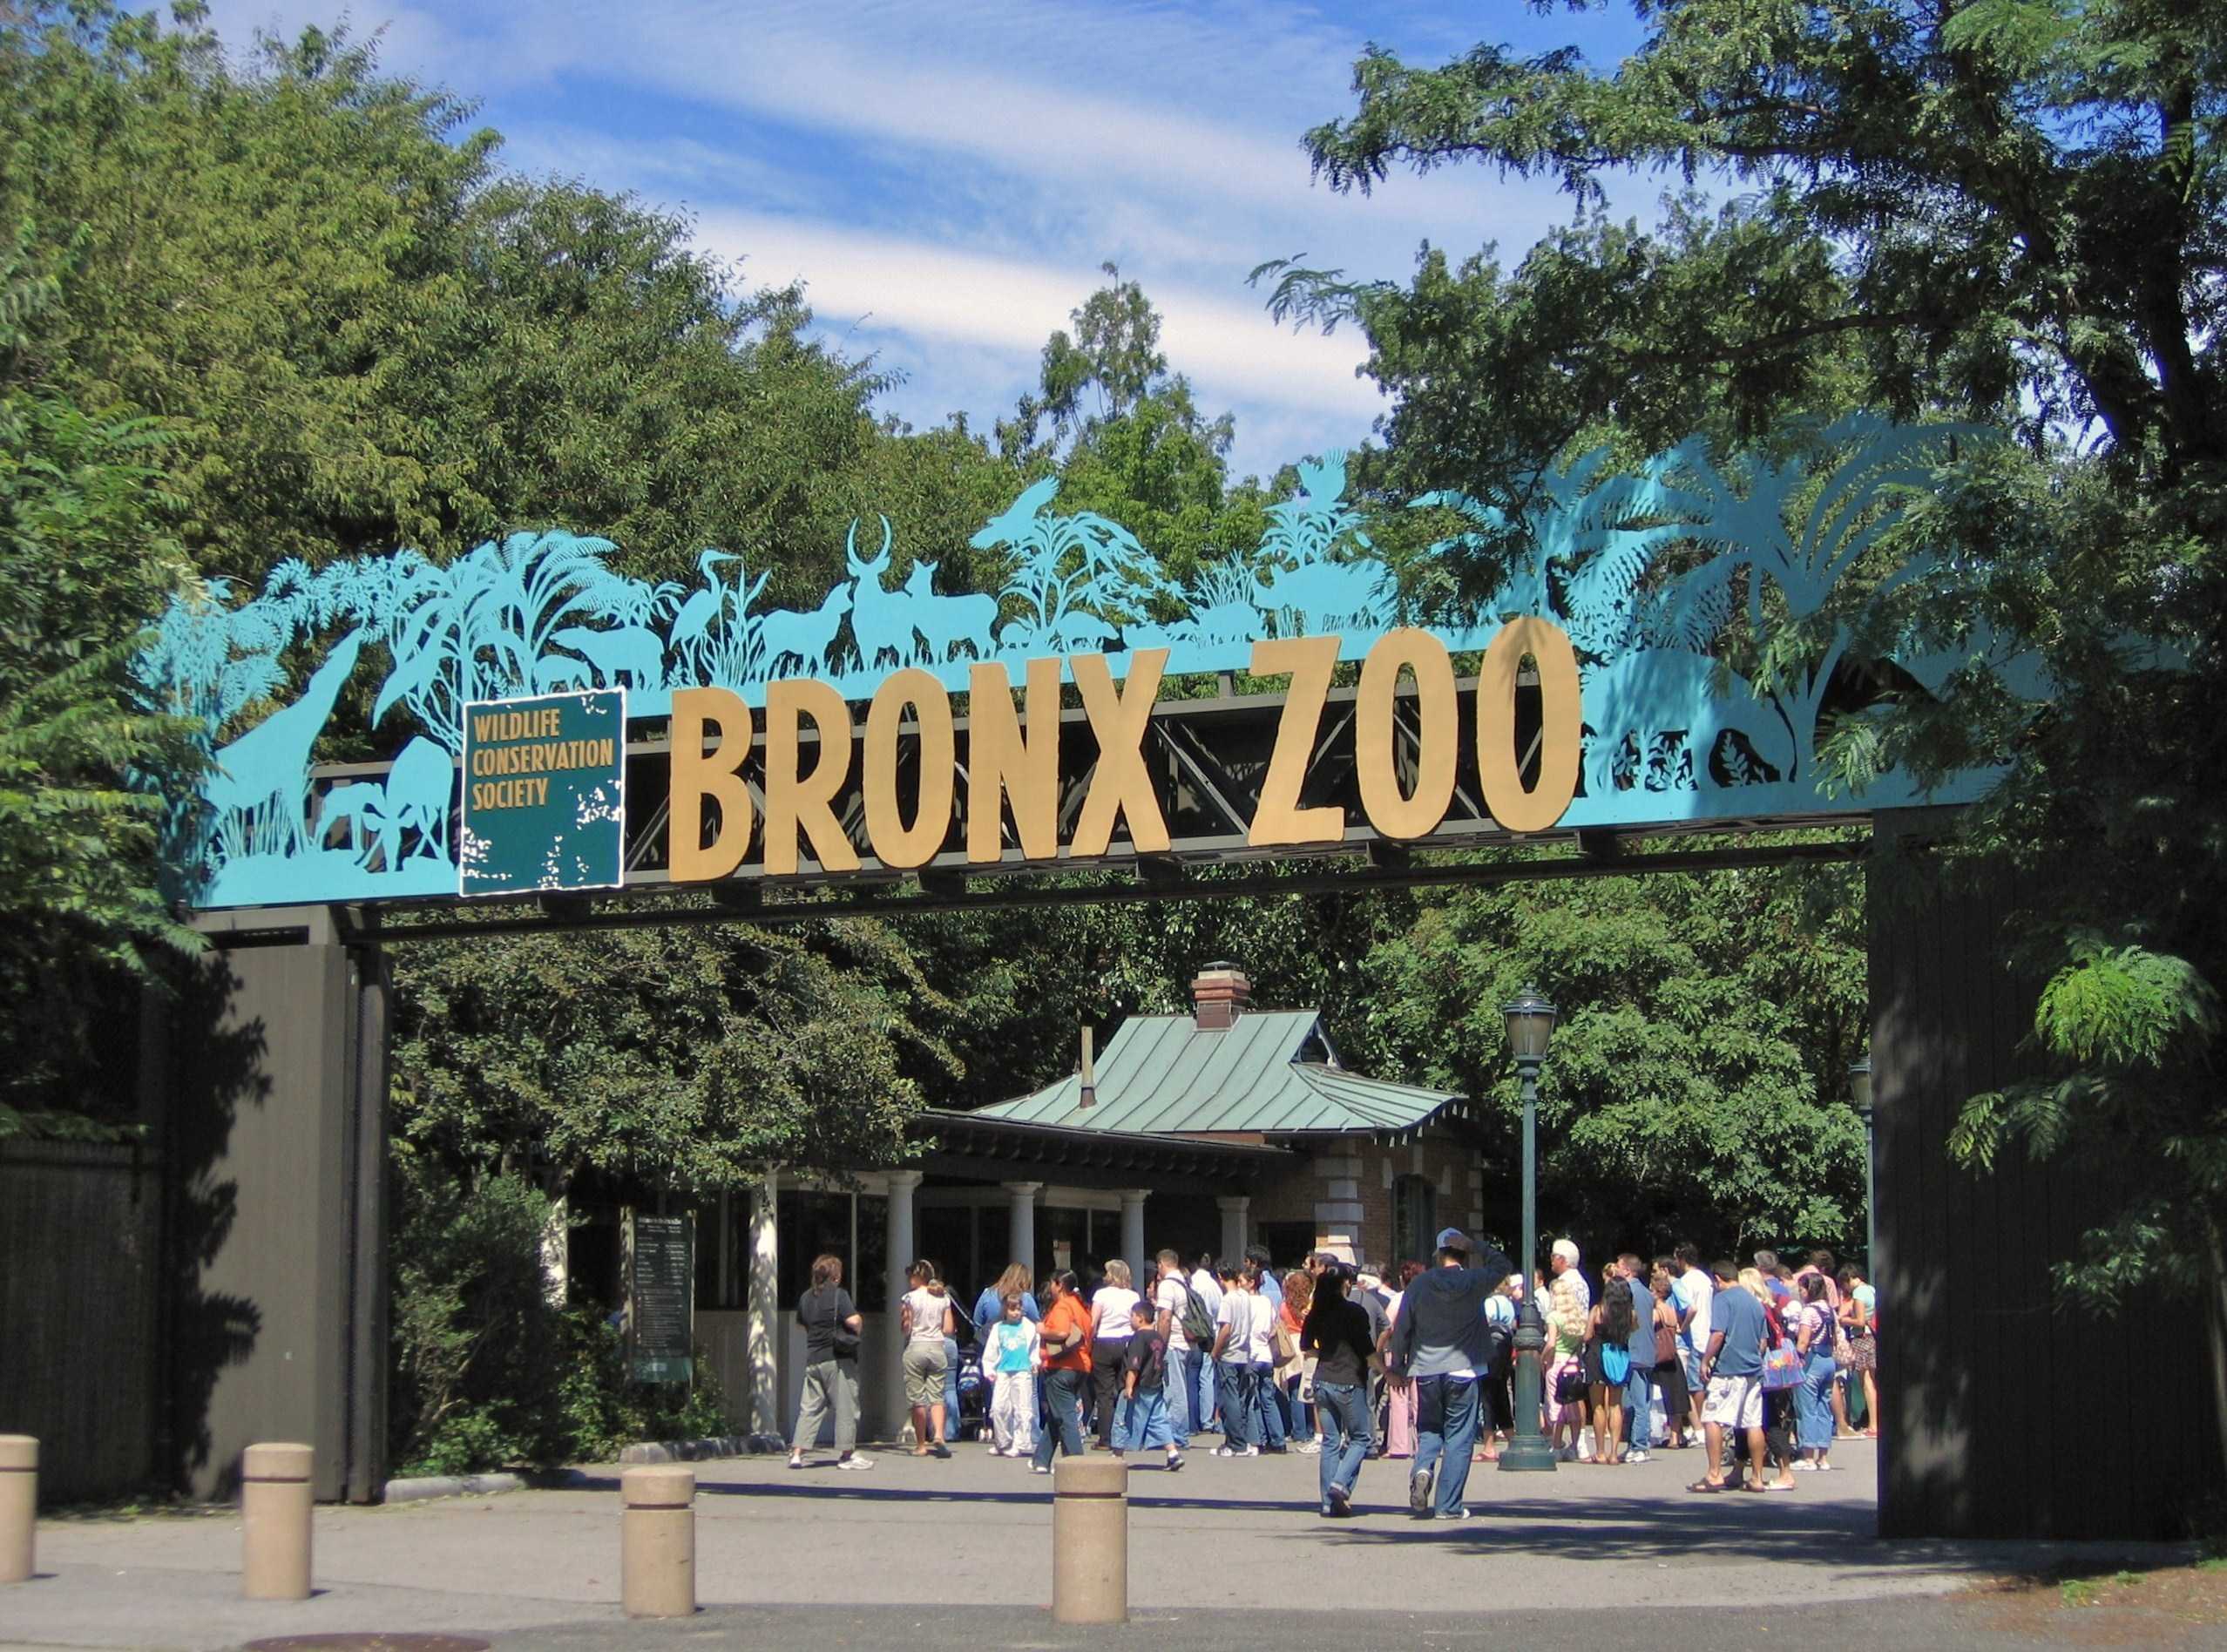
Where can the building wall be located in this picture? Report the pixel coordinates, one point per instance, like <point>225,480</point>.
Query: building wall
<point>1346,1194</point>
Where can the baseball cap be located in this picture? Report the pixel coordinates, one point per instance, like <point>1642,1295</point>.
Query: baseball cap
<point>1453,1239</point>
<point>1568,1250</point>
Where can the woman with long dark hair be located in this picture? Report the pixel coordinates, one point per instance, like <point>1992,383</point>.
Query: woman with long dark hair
<point>1608,1363</point>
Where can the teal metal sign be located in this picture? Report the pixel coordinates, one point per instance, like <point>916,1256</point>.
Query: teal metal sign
<point>1662,573</point>
<point>544,793</point>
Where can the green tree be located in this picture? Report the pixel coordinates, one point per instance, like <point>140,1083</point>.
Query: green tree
<point>2007,210</point>
<point>86,564</point>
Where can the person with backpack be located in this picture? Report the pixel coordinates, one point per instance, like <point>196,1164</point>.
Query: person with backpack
<point>1184,1322</point>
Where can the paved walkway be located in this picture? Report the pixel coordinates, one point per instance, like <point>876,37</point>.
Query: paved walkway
<point>973,1533</point>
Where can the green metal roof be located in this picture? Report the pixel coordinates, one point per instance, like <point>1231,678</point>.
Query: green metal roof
<point>1162,1075</point>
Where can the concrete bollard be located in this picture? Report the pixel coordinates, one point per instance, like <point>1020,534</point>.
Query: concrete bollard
<point>1090,1541</point>
<point>275,1503</point>
<point>18,1506</point>
<point>657,1541</point>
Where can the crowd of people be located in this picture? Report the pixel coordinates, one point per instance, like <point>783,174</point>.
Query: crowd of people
<point>1762,1365</point>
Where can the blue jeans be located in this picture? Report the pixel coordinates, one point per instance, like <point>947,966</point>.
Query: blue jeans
<point>950,1388</point>
<point>1235,1382</point>
<point>1148,1420</point>
<point>1446,1432</point>
<point>1638,1394</point>
<point>1206,1412</point>
<point>1063,1397</point>
<point>1268,1403</point>
<point>1181,1363</point>
<point>1813,1404</point>
<point>1343,1410</point>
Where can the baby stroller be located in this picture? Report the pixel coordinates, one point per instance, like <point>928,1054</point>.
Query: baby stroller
<point>973,1419</point>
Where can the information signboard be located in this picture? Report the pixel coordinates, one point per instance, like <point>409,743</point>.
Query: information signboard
<point>661,1300</point>
<point>543,794</point>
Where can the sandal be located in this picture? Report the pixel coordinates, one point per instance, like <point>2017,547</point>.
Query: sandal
<point>1705,1485</point>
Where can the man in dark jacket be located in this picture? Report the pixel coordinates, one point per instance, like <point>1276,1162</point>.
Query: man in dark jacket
<point>1439,1342</point>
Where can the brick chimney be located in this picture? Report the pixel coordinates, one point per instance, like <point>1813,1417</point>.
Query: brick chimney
<point>1219,995</point>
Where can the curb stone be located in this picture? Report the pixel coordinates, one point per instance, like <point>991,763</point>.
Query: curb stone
<point>697,1450</point>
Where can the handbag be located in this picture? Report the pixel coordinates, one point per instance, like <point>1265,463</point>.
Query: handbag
<point>1666,1344</point>
<point>1843,1352</point>
<point>1615,1364</point>
<point>1782,1369</point>
<point>1570,1387</point>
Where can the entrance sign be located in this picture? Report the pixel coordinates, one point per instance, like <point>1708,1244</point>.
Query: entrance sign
<point>544,793</point>
<point>662,1299</point>
<point>1592,689</point>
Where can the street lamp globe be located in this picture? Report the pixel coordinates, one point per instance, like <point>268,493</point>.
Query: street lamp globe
<point>1531,1025</point>
<point>1859,1087</point>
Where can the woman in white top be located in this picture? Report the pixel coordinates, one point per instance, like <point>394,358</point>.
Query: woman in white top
<point>1110,1331</point>
<point>925,1318</point>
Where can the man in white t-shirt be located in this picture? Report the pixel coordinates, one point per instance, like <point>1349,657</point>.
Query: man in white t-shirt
<point>1171,1301</point>
<point>1205,1414</point>
<point>1690,1290</point>
<point>1232,1351</point>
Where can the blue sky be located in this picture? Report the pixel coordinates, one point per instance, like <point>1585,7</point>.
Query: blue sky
<point>947,177</point>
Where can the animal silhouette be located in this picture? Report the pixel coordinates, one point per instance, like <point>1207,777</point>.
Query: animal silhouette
<point>1657,690</point>
<point>1017,525</point>
<point>704,607</point>
<point>1324,593</point>
<point>784,634</point>
<point>356,804</point>
<point>269,764</point>
<point>417,793</point>
<point>552,671</point>
<point>881,621</point>
<point>945,622</point>
<point>631,651</point>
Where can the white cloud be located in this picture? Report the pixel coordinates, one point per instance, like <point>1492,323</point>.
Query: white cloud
<point>869,284</point>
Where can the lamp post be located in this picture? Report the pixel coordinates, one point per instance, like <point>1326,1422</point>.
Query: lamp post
<point>1859,1091</point>
<point>1531,1025</point>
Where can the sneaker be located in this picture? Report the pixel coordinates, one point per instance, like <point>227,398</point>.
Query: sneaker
<point>1039,1468</point>
<point>1568,1454</point>
<point>1418,1493</point>
<point>1341,1502</point>
<point>1806,1466</point>
<point>1453,1515</point>
<point>1174,1461</point>
<point>855,1462</point>
<point>1309,1447</point>
<point>1635,1457</point>
<point>1250,1451</point>
<point>1226,1451</point>
<point>796,1462</point>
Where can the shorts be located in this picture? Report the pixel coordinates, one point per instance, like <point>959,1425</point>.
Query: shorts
<point>924,1366</point>
<point>1734,1402</point>
<point>1867,1350</point>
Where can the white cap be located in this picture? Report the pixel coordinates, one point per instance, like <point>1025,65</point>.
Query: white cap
<point>1568,1250</point>
<point>1451,1239</point>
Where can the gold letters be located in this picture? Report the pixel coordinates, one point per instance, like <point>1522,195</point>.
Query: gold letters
<point>695,775</point>
<point>1002,763</point>
<point>1121,782</point>
<point>1559,735</point>
<point>1280,819</point>
<point>1391,811</point>
<point>795,802</point>
<point>1013,757</point>
<point>895,843</point>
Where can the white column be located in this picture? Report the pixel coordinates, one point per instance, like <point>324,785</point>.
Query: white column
<point>556,1251</point>
<point>1234,1206</point>
<point>890,1379</point>
<point>1021,1230</point>
<point>767,1322</point>
<point>1133,1240</point>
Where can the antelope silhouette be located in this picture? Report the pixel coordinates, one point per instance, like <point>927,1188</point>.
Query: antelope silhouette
<point>418,795</point>
<point>944,622</point>
<point>783,633</point>
<point>1322,593</point>
<point>1657,690</point>
<point>881,621</point>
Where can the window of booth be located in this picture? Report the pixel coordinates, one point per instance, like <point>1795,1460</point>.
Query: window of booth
<point>1415,1220</point>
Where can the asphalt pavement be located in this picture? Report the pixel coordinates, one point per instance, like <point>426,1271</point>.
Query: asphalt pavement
<point>1227,1555</point>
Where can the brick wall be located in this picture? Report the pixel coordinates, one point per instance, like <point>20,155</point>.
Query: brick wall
<point>1345,1191</point>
